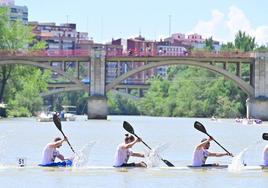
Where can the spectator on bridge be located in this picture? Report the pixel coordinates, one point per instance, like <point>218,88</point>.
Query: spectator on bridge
<point>130,52</point>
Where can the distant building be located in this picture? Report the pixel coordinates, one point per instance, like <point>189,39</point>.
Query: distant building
<point>16,12</point>
<point>141,47</point>
<point>195,38</point>
<point>191,41</point>
<point>134,47</point>
<point>7,2</point>
<point>113,50</point>
<point>114,69</point>
<point>166,48</point>
<point>121,42</point>
<point>63,36</point>
<point>178,39</point>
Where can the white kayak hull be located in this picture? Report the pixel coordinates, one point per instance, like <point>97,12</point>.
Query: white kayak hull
<point>178,168</point>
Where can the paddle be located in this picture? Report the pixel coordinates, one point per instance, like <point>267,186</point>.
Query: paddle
<point>130,129</point>
<point>265,136</point>
<point>201,128</point>
<point>57,122</point>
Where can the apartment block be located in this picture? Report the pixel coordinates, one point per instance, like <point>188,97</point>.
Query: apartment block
<point>15,12</point>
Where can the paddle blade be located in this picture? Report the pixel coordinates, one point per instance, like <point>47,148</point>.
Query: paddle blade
<point>265,136</point>
<point>128,127</point>
<point>168,163</point>
<point>57,121</point>
<point>200,127</point>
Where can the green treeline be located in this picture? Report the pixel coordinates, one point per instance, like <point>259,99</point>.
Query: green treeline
<point>194,92</point>
<point>189,92</point>
<point>20,85</point>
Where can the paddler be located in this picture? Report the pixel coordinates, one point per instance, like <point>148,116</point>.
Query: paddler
<point>50,153</point>
<point>265,156</point>
<point>201,153</point>
<point>124,152</point>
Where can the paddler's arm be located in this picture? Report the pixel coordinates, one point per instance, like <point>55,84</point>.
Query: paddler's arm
<point>218,154</point>
<point>129,145</point>
<point>137,155</point>
<point>58,143</point>
<point>61,157</point>
<point>202,144</point>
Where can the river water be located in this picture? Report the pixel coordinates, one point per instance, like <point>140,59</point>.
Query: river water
<point>24,138</point>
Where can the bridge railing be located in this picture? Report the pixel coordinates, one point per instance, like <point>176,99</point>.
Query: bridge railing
<point>234,54</point>
<point>46,53</point>
<point>86,53</point>
<point>193,54</point>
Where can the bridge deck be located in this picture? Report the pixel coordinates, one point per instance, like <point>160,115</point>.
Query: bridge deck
<point>169,58</point>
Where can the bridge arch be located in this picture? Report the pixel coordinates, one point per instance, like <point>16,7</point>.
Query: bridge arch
<point>45,66</point>
<point>61,90</point>
<point>247,88</point>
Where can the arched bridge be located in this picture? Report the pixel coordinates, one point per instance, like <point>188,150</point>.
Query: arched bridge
<point>207,63</point>
<point>96,60</point>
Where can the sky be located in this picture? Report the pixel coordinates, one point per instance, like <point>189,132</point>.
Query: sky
<point>107,19</point>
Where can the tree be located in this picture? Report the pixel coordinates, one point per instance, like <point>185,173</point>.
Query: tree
<point>24,91</point>
<point>121,105</point>
<point>229,46</point>
<point>74,98</point>
<point>244,42</point>
<point>209,44</point>
<point>193,92</point>
<point>20,86</point>
<point>262,48</point>
<point>14,36</point>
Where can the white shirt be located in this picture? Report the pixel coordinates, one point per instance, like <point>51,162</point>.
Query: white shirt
<point>122,155</point>
<point>265,156</point>
<point>49,154</point>
<point>200,157</point>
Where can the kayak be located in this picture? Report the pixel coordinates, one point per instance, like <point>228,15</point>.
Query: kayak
<point>208,167</point>
<point>257,167</point>
<point>178,168</point>
<point>67,163</point>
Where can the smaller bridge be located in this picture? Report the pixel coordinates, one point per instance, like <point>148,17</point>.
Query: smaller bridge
<point>121,89</point>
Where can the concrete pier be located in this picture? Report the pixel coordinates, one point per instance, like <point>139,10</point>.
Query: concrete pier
<point>97,101</point>
<point>257,105</point>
